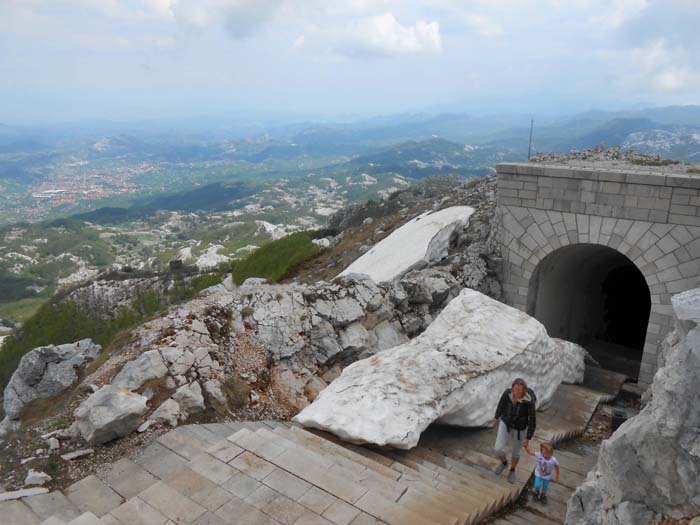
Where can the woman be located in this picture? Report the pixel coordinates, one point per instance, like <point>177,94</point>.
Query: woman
<point>515,418</point>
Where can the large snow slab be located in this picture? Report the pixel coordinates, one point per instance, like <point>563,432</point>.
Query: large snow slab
<point>454,373</point>
<point>413,245</point>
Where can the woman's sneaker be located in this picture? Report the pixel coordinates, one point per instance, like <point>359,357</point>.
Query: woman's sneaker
<point>543,499</point>
<point>500,468</point>
<point>511,477</point>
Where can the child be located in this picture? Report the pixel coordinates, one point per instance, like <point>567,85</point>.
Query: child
<point>546,463</point>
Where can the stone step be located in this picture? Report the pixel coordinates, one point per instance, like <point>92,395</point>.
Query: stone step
<point>483,500</point>
<point>296,432</point>
<point>15,511</point>
<point>87,518</point>
<point>372,480</point>
<point>53,504</point>
<point>472,472</point>
<point>464,476</point>
<point>313,467</point>
<point>92,495</point>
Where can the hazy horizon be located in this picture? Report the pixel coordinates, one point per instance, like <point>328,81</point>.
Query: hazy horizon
<point>143,59</point>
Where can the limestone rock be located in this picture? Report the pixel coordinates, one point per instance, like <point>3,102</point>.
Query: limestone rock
<point>453,373</point>
<point>168,412</point>
<point>213,389</point>
<point>254,281</point>
<point>389,335</point>
<point>36,477</point>
<point>189,398</point>
<point>650,466</point>
<point>341,312</point>
<point>44,372</point>
<point>355,338</point>
<point>420,241</point>
<point>686,305</point>
<point>145,367</point>
<point>109,413</point>
<point>53,443</point>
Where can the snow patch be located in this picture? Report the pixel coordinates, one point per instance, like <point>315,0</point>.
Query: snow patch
<point>413,245</point>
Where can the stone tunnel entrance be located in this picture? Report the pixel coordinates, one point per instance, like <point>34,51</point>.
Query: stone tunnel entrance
<point>595,296</point>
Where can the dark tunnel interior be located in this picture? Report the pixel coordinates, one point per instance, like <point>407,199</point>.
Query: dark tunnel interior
<point>596,297</point>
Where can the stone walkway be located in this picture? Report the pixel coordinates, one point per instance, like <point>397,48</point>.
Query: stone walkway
<point>271,473</point>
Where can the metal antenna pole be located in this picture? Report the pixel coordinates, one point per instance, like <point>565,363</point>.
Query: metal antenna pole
<point>529,146</point>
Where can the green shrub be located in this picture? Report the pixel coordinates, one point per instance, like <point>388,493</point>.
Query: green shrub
<point>654,162</point>
<point>276,259</point>
<point>60,321</point>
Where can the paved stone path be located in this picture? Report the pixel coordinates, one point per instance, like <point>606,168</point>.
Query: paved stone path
<point>271,473</point>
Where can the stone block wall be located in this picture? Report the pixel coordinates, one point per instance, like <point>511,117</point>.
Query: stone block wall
<point>651,218</point>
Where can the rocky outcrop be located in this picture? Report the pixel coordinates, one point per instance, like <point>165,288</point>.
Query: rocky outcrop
<point>148,365</point>
<point>259,342</point>
<point>650,466</point>
<point>452,373</point>
<point>44,372</point>
<point>416,244</point>
<point>109,413</point>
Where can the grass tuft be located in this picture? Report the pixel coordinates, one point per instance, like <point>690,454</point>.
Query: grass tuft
<point>276,259</point>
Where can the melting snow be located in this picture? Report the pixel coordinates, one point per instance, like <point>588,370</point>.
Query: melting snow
<point>423,239</point>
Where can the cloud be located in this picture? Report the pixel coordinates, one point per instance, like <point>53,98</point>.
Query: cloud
<point>614,14</point>
<point>484,25</point>
<point>657,68</point>
<point>384,35</point>
<point>240,18</point>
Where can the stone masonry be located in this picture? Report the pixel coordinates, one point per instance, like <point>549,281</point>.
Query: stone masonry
<point>652,217</point>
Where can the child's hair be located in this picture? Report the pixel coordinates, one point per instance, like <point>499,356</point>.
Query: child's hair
<point>547,447</point>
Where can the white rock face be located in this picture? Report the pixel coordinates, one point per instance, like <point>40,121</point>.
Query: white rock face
<point>148,365</point>
<point>44,372</point>
<point>168,412</point>
<point>36,477</point>
<point>109,413</point>
<point>413,245</point>
<point>190,399</point>
<point>454,373</point>
<point>650,467</point>
<point>211,258</point>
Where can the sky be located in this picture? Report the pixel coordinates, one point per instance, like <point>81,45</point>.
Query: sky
<point>130,59</point>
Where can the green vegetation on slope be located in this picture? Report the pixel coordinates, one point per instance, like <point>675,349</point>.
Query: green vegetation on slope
<point>276,259</point>
<point>58,322</point>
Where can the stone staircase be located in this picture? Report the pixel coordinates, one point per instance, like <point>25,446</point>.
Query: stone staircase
<point>269,473</point>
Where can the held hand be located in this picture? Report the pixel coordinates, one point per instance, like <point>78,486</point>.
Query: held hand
<point>526,442</point>
<point>495,423</point>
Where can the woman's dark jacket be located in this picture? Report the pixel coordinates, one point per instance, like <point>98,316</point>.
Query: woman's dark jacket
<point>519,415</point>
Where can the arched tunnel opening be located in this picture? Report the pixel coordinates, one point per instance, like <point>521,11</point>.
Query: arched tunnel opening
<point>596,297</point>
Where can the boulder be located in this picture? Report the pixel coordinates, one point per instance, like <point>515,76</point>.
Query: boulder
<point>452,373</point>
<point>414,245</point>
<point>650,467</point>
<point>168,412</point>
<point>109,413</point>
<point>44,372</point>
<point>145,367</point>
<point>190,399</point>
<point>213,389</point>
